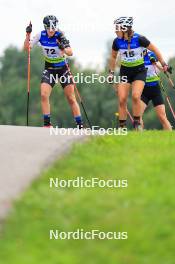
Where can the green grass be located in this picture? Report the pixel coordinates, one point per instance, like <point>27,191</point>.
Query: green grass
<point>145,209</point>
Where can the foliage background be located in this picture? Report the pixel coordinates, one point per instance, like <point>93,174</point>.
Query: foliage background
<point>100,99</point>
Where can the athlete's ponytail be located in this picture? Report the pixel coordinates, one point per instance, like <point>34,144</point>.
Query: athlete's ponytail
<point>128,36</point>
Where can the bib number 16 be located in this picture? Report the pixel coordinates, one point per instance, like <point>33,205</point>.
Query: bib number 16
<point>129,53</point>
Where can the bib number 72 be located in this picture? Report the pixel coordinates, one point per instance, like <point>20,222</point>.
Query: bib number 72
<point>50,51</point>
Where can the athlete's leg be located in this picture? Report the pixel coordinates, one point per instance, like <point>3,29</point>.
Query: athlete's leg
<point>46,87</point>
<point>71,98</point>
<point>143,108</point>
<point>137,89</point>
<point>123,92</point>
<point>45,94</point>
<point>145,98</point>
<point>159,106</point>
<point>161,113</point>
<point>69,90</point>
<point>45,104</point>
<point>70,95</point>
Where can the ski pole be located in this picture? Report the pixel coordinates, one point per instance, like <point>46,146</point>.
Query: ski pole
<point>79,96</point>
<point>166,95</point>
<point>168,99</point>
<point>130,117</point>
<point>28,78</point>
<point>170,80</point>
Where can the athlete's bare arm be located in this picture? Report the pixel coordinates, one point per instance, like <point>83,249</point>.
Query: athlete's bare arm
<point>158,66</point>
<point>68,51</point>
<point>64,45</point>
<point>112,60</point>
<point>32,42</point>
<point>159,56</point>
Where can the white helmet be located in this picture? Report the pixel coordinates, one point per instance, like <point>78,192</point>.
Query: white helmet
<point>124,21</point>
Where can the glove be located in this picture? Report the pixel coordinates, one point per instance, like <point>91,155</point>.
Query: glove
<point>29,29</point>
<point>152,60</point>
<point>170,69</point>
<point>63,43</point>
<point>61,46</point>
<point>165,67</point>
<point>111,76</point>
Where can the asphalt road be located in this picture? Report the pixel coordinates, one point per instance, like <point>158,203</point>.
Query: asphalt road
<point>24,153</point>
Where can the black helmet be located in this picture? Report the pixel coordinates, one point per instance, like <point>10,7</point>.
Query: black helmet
<point>50,22</point>
<point>124,21</point>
